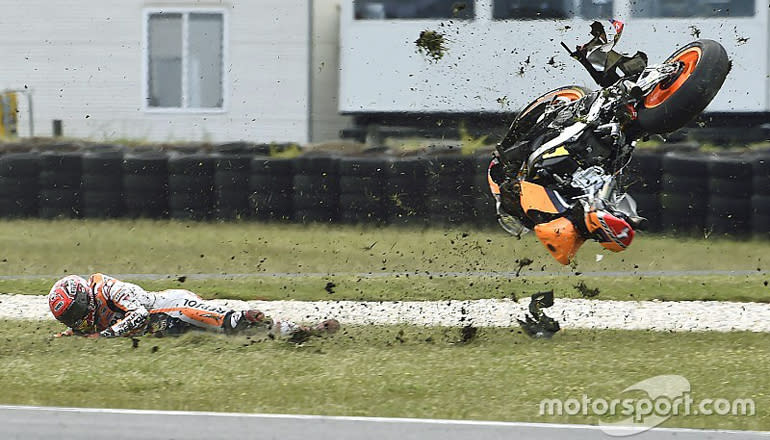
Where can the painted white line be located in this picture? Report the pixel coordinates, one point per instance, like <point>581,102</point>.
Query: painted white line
<point>385,420</point>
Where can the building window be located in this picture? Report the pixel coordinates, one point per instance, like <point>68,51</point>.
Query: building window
<point>532,9</point>
<point>185,60</point>
<point>413,9</point>
<point>551,9</point>
<point>692,8</point>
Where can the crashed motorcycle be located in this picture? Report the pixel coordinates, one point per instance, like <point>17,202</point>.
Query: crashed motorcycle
<point>560,168</point>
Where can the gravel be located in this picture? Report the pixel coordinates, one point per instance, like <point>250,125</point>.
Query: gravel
<point>571,313</point>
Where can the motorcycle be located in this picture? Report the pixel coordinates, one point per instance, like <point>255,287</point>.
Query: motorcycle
<point>559,169</point>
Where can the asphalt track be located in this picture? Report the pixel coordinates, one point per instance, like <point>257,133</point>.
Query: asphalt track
<point>511,274</point>
<point>32,423</point>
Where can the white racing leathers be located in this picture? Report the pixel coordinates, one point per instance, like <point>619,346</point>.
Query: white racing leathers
<point>125,309</point>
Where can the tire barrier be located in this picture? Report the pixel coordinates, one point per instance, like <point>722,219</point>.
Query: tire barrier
<point>643,180</point>
<point>191,186</point>
<point>684,194</point>
<point>730,189</point>
<point>59,184</point>
<point>316,189</point>
<point>102,182</point>
<point>760,199</point>
<point>19,174</point>
<point>362,187</point>
<point>450,191</point>
<point>231,185</point>
<point>145,184</point>
<point>721,194</point>
<point>405,184</point>
<point>271,188</point>
<point>484,210</point>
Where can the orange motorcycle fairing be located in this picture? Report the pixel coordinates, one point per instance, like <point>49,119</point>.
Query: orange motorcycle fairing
<point>534,197</point>
<point>561,238</point>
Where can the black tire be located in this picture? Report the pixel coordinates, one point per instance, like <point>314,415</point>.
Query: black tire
<point>101,182</point>
<point>313,216</point>
<point>760,224</point>
<point>145,164</point>
<point>231,179</point>
<point>371,186</point>
<point>408,167</point>
<point>61,162</point>
<point>261,165</point>
<point>691,96</point>
<point>107,162</point>
<point>691,165</point>
<point>59,198</point>
<point>191,184</point>
<point>729,187</point>
<point>316,165</point>
<point>373,167</point>
<point>20,165</point>
<point>55,179</point>
<point>145,184</point>
<point>52,212</point>
<point>191,165</point>
<point>760,204</point>
<point>643,173</point>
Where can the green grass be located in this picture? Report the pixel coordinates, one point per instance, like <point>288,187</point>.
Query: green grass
<point>63,247</point>
<point>742,288</point>
<point>381,371</point>
<point>50,249</point>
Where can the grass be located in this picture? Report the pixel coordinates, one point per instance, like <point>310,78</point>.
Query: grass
<point>741,288</point>
<point>45,250</point>
<point>40,247</point>
<point>382,371</point>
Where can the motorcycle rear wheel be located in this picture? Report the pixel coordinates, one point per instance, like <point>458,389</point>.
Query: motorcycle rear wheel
<point>673,103</point>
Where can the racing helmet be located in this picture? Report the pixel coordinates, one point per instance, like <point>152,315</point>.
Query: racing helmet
<point>70,301</point>
<point>611,231</point>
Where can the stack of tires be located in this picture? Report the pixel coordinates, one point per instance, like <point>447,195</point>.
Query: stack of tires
<point>19,184</point>
<point>231,184</point>
<point>760,199</point>
<point>191,186</point>
<point>684,192</point>
<point>271,184</point>
<point>405,186</point>
<point>483,202</point>
<point>362,189</point>
<point>145,184</point>
<point>102,182</point>
<point>450,191</point>
<point>730,188</point>
<point>60,176</point>
<point>643,177</point>
<point>316,189</point>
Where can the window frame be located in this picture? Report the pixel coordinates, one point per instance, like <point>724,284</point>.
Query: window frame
<point>185,12</point>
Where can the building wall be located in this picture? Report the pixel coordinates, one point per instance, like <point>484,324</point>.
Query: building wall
<point>500,65</point>
<point>83,62</point>
<point>324,71</point>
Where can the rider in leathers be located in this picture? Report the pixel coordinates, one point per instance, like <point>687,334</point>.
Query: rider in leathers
<point>103,306</point>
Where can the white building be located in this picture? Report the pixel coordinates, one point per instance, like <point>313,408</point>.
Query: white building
<point>174,70</point>
<point>292,70</point>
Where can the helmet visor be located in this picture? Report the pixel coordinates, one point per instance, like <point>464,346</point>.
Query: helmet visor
<point>77,311</point>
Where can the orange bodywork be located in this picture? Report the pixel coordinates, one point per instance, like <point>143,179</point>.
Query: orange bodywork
<point>561,238</point>
<point>534,197</point>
